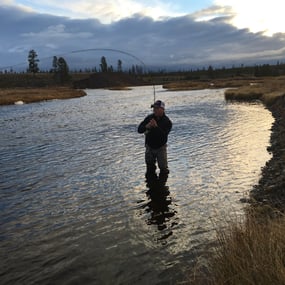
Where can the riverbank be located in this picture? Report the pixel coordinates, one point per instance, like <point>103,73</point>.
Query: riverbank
<point>271,187</point>
<point>189,85</point>
<point>253,251</point>
<point>30,95</point>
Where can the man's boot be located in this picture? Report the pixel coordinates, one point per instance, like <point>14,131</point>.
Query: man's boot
<point>163,176</point>
<point>151,176</point>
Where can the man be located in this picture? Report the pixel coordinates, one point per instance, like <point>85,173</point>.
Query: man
<point>156,128</point>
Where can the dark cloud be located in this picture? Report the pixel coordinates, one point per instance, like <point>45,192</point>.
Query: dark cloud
<point>176,42</point>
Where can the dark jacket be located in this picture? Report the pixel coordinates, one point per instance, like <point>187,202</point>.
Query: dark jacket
<point>156,137</point>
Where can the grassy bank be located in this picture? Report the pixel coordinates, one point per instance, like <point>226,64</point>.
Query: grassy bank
<point>30,95</point>
<point>267,90</point>
<point>252,252</point>
<point>188,85</point>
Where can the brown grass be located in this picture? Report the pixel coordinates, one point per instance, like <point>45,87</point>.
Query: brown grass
<point>30,95</point>
<point>251,253</point>
<point>120,88</point>
<point>247,253</point>
<point>266,91</point>
<point>209,84</point>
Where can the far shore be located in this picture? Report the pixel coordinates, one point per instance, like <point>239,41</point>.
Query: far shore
<point>267,91</point>
<point>189,85</point>
<point>120,88</point>
<point>255,88</point>
<point>12,96</point>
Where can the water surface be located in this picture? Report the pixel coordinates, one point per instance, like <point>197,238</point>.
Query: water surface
<point>73,200</point>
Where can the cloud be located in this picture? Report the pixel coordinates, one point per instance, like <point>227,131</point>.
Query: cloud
<point>258,16</point>
<point>171,42</point>
<point>106,11</point>
<point>214,12</point>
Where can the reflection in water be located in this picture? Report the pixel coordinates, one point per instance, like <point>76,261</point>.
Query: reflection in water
<point>158,206</point>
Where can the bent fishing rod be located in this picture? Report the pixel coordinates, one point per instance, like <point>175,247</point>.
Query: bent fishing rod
<point>122,52</point>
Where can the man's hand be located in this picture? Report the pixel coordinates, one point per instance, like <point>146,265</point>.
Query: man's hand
<point>151,124</point>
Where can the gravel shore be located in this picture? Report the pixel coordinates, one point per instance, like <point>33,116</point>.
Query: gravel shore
<point>271,187</point>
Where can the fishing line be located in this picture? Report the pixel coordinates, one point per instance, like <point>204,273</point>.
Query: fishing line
<point>122,52</point>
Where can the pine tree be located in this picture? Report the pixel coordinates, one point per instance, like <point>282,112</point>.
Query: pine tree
<point>54,64</point>
<point>63,70</point>
<point>120,69</point>
<point>103,64</point>
<point>33,62</point>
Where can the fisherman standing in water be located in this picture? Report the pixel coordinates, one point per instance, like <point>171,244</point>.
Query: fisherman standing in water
<point>156,128</point>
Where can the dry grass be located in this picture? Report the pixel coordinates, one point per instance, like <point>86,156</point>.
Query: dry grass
<point>245,93</point>
<point>187,85</point>
<point>29,95</point>
<point>247,253</point>
<point>251,253</point>
<point>209,84</point>
<point>266,91</point>
<point>120,88</point>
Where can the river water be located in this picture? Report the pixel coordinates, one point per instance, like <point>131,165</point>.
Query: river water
<point>74,204</point>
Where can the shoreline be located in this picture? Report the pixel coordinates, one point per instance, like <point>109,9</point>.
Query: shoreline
<point>271,187</point>
<point>190,85</point>
<point>11,96</point>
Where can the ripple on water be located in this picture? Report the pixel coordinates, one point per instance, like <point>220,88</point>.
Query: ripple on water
<point>74,205</point>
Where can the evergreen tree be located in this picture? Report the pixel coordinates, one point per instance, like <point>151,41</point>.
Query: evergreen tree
<point>62,70</point>
<point>120,69</point>
<point>33,62</point>
<point>103,64</point>
<point>54,64</point>
<point>210,72</point>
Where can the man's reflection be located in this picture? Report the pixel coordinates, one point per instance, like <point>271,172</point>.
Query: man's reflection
<point>158,205</point>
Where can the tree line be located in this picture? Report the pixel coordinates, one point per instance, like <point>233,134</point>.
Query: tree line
<point>61,71</point>
<point>60,68</point>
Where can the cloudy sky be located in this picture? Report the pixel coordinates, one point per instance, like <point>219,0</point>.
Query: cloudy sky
<point>169,33</point>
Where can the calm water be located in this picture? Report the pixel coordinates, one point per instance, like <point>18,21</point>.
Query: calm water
<point>74,207</point>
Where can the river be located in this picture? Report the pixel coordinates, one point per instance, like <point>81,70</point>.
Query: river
<point>74,204</point>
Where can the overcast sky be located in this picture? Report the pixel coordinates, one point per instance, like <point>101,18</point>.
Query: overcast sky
<point>160,33</point>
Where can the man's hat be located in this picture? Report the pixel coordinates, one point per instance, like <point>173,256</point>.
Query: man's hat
<point>158,104</point>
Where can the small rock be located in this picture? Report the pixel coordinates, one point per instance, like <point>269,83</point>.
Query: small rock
<point>19,103</point>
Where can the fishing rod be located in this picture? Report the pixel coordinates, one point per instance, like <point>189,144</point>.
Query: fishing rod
<point>122,52</point>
